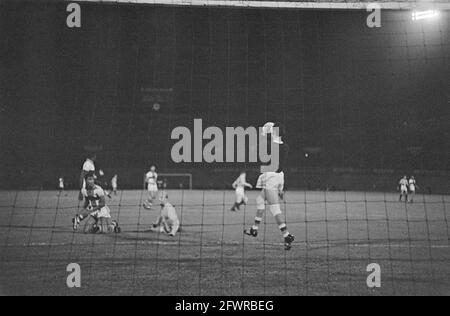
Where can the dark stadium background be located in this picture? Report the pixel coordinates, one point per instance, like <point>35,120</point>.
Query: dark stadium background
<point>368,105</point>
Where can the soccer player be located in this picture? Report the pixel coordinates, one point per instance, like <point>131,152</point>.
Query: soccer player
<point>61,186</point>
<point>403,185</point>
<point>271,184</point>
<point>101,180</point>
<point>114,184</point>
<point>412,188</point>
<point>151,179</point>
<point>239,185</point>
<point>88,167</point>
<point>95,209</point>
<point>168,220</point>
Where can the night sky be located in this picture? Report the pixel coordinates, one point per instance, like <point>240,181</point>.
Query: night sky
<point>368,98</point>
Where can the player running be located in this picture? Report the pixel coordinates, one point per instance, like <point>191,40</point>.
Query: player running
<point>272,184</point>
<point>239,185</point>
<point>168,220</point>
<point>151,179</point>
<point>95,209</point>
<point>412,188</point>
<point>403,185</point>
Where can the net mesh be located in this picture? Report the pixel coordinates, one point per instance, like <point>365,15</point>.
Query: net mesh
<point>353,99</point>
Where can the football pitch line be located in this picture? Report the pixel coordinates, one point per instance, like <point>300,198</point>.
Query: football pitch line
<point>219,243</point>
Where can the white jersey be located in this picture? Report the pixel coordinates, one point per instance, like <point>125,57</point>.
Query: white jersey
<point>168,220</point>
<point>88,166</point>
<point>240,182</point>
<point>114,182</point>
<point>169,213</point>
<point>151,177</point>
<point>412,184</point>
<point>403,185</point>
<point>61,183</point>
<point>93,197</point>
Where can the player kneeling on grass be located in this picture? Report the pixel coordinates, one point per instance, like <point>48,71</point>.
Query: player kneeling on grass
<point>239,185</point>
<point>95,210</point>
<point>168,221</point>
<point>271,184</point>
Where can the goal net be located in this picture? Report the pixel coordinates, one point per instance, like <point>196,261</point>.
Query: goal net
<point>363,105</point>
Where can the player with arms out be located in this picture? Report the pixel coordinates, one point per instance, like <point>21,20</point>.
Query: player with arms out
<point>95,209</point>
<point>403,186</point>
<point>239,185</point>
<point>271,184</point>
<point>151,179</point>
<point>168,220</point>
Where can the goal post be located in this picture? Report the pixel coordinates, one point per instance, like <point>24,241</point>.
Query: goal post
<point>176,180</point>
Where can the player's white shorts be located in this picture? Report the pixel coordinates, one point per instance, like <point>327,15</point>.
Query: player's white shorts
<point>152,187</point>
<point>404,189</point>
<point>271,181</point>
<point>412,189</point>
<point>240,195</point>
<point>104,212</point>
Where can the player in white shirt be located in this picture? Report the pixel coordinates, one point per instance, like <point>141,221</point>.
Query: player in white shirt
<point>88,167</point>
<point>271,183</point>
<point>239,186</point>
<point>95,209</point>
<point>412,188</point>
<point>151,178</point>
<point>167,221</point>
<point>61,186</point>
<point>403,186</point>
<point>114,184</point>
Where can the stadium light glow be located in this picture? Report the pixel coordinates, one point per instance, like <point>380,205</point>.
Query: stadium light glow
<point>422,15</point>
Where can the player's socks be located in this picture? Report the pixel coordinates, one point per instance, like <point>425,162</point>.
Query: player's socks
<point>283,229</point>
<point>257,222</point>
<point>253,231</point>
<point>76,221</point>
